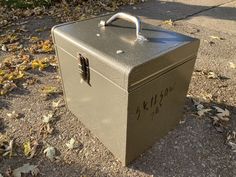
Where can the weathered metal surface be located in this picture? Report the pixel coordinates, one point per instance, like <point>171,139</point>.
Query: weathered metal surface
<point>128,99</point>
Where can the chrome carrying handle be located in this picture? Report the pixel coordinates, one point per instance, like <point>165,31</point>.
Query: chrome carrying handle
<point>127,17</point>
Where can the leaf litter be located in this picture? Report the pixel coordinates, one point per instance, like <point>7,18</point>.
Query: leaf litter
<point>6,146</point>
<point>30,148</point>
<point>57,104</point>
<point>15,115</point>
<point>47,118</point>
<point>231,140</point>
<point>46,127</point>
<point>50,153</point>
<point>25,169</point>
<point>71,144</point>
<point>218,115</point>
<point>13,71</point>
<point>201,111</point>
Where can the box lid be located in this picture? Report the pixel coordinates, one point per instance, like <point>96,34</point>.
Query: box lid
<point>115,52</point>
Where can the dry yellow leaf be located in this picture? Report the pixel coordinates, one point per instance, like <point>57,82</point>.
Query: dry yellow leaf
<point>14,75</point>
<point>168,22</point>
<point>2,72</point>
<point>34,39</point>
<point>46,48</point>
<point>39,30</point>
<point>19,75</point>
<point>39,64</point>
<point>7,87</point>
<point>217,37</point>
<point>49,90</point>
<point>27,148</point>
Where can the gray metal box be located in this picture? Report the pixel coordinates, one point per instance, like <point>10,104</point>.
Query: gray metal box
<point>127,90</point>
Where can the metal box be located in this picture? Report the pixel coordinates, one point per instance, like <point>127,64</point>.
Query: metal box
<point>127,87</point>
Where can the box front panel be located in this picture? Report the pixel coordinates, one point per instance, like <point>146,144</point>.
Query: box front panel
<point>101,106</point>
<point>156,108</point>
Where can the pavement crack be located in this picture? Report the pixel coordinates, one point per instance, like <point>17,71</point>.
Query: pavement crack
<point>203,10</point>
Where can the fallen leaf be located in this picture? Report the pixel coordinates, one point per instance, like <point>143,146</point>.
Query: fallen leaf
<point>6,145</point>
<point>201,112</point>
<point>217,37</point>
<point>30,148</point>
<point>212,75</point>
<point>45,130</point>
<point>231,135</point>
<point>42,47</point>
<point>39,64</point>
<point>71,143</point>
<point>200,108</point>
<point>27,148</point>
<point>7,87</point>
<point>34,39</point>
<point>47,46</point>
<point>50,152</point>
<point>49,90</point>
<point>47,118</point>
<point>39,30</point>
<point>168,22</point>
<point>222,112</point>
<point>215,120</point>
<point>4,48</point>
<point>232,145</point>
<point>14,47</point>
<point>57,104</point>
<point>26,168</point>
<point>232,65</point>
<point>197,104</point>
<point>9,149</point>
<point>15,115</point>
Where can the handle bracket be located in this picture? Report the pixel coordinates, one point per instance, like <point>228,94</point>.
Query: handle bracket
<point>127,17</point>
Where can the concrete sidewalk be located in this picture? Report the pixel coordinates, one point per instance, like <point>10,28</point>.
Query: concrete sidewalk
<point>213,14</point>
<point>200,19</point>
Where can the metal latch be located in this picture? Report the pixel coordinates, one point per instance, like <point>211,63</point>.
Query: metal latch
<point>84,69</point>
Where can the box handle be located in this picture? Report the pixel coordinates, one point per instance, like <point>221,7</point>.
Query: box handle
<point>127,17</point>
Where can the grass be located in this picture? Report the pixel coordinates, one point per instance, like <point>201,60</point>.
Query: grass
<point>26,3</point>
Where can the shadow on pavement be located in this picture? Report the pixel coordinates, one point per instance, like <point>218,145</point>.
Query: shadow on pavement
<point>165,10</point>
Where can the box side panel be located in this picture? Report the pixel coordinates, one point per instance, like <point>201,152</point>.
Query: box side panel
<point>101,107</point>
<point>156,108</point>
